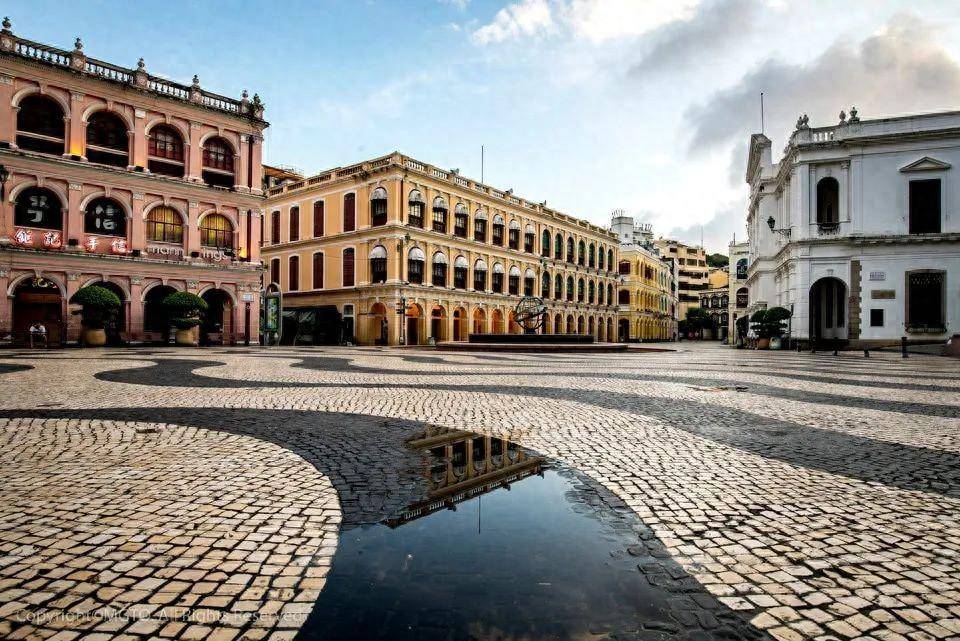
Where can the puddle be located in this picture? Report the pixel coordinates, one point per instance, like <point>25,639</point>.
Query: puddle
<point>507,545</point>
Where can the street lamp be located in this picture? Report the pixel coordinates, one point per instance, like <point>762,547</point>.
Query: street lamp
<point>772,224</point>
<point>4,175</point>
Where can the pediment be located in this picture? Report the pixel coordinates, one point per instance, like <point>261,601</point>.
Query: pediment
<point>926,164</point>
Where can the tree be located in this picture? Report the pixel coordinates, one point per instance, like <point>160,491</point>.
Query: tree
<point>717,260</point>
<point>185,309</point>
<point>98,304</point>
<point>769,323</point>
<point>698,319</point>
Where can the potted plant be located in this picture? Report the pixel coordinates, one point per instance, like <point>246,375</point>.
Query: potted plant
<point>98,305</point>
<point>185,310</point>
<point>760,329</point>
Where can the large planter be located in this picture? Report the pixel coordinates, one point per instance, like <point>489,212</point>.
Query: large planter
<point>186,337</point>
<point>763,343</point>
<point>775,343</point>
<point>94,337</point>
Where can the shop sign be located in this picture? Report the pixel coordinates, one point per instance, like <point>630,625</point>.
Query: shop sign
<point>23,237</point>
<point>215,255</point>
<point>883,294</point>
<point>246,297</point>
<point>878,275</point>
<point>92,243</point>
<point>118,246</point>
<point>166,250</point>
<point>52,240</point>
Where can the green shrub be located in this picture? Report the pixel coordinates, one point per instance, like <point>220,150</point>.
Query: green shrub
<point>769,323</point>
<point>185,309</point>
<point>98,305</point>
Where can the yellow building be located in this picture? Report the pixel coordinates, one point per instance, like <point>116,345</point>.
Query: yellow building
<point>646,308</point>
<point>692,272</point>
<point>718,278</point>
<point>396,251</point>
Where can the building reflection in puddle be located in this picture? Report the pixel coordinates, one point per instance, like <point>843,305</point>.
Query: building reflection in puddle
<point>504,545</point>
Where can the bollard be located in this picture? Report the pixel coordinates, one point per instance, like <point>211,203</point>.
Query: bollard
<point>903,347</point>
<point>834,352</point>
<point>866,353</point>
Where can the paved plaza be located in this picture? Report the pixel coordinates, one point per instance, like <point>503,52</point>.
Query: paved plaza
<point>200,493</point>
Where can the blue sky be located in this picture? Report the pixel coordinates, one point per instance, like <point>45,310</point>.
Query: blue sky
<point>591,105</point>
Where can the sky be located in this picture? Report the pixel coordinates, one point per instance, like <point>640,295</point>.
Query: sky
<point>591,105</point>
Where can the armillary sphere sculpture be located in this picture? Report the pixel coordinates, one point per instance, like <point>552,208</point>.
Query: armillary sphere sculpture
<point>529,314</point>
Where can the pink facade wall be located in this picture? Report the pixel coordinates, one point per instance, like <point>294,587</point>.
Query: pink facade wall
<point>72,258</point>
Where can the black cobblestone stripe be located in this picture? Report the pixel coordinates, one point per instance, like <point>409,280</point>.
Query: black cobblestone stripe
<point>870,460</point>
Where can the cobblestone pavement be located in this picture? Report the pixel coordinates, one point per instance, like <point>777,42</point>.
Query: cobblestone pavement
<point>197,494</point>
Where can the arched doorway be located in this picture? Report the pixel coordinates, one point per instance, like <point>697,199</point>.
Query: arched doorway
<point>117,324</point>
<point>414,317</point>
<point>379,328</point>
<point>514,325</point>
<point>217,326</point>
<point>592,323</point>
<point>828,309</point>
<point>571,327</point>
<point>497,318</point>
<point>609,328</point>
<point>479,321</point>
<point>156,321</point>
<point>601,333</point>
<point>558,324</point>
<point>623,333</point>
<point>438,322</point>
<point>459,324</point>
<point>38,300</point>
<point>547,324</point>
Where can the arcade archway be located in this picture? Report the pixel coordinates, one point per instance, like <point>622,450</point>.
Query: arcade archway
<point>38,300</point>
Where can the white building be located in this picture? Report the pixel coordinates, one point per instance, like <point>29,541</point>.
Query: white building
<point>857,228</point>
<point>739,294</point>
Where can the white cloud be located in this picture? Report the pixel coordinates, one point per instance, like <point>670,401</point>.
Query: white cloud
<point>457,4</point>
<point>600,20</point>
<point>527,18</point>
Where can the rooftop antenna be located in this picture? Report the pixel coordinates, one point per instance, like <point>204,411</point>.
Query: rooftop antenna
<point>762,131</point>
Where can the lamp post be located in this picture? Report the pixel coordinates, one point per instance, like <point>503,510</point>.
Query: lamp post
<point>4,175</point>
<point>772,224</point>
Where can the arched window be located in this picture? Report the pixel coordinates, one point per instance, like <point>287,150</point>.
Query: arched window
<point>480,226</point>
<point>378,207</point>
<point>497,279</point>
<point>378,264</point>
<point>275,271</point>
<point>529,282</point>
<point>514,239</point>
<point>529,238</point>
<point>545,244</point>
<point>592,256</point>
<point>624,267</point>
<point>164,225</point>
<point>742,269</point>
<point>480,275</point>
<point>165,152</point>
<point>318,270</point>
<point>609,293</point>
<point>600,292</point>
<point>349,212</point>
<point>569,287</point>
<point>558,287</point>
<point>439,271</point>
<point>218,162</point>
<point>580,291</point>
<point>294,223</point>
<point>461,221</point>
<point>513,281</point>
<point>275,227</point>
<point>415,206</point>
<point>40,125</point>
<point>318,219</point>
<point>743,297</point>
<point>107,140</point>
<point>216,231</point>
<point>348,271</point>
<point>293,273</point>
<point>415,262</point>
<point>498,228</point>
<point>610,257</point>
<point>600,259</point>
<point>545,285</point>
<point>581,253</point>
<point>624,297</point>
<point>440,215</point>
<point>460,268</point>
<point>591,292</point>
<point>570,256</point>
<point>38,207</point>
<point>558,247</point>
<point>828,204</point>
<point>105,217</point>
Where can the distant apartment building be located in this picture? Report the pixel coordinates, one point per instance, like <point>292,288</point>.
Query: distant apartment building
<point>855,228</point>
<point>396,251</point>
<point>692,272</point>
<point>128,180</point>
<point>646,298</point>
<point>738,295</point>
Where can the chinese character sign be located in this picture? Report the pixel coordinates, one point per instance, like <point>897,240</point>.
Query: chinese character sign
<point>119,246</point>
<point>92,243</point>
<point>52,240</point>
<point>23,237</point>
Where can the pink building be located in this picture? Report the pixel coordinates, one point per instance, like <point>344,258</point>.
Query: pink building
<point>114,176</point>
